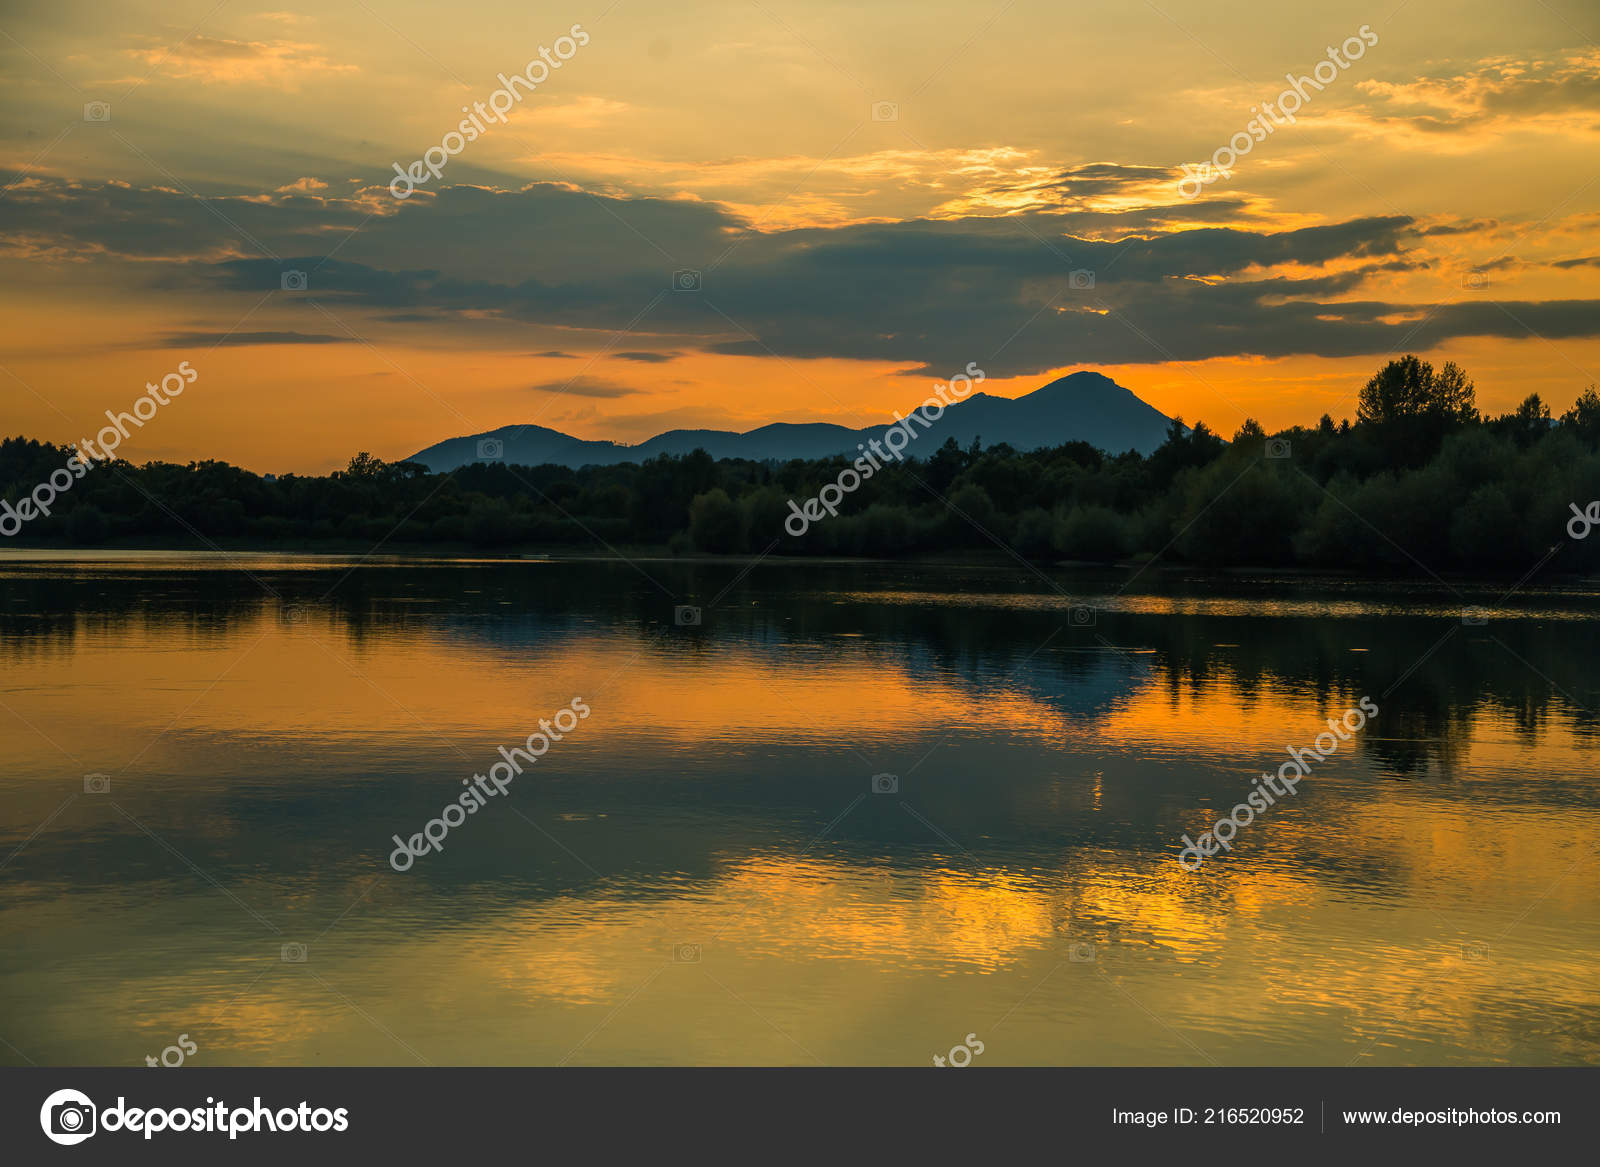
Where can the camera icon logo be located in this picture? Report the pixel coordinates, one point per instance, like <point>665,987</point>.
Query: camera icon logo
<point>885,111</point>
<point>686,954</point>
<point>293,281</point>
<point>1081,952</point>
<point>687,616</point>
<point>491,449</point>
<point>294,953</point>
<point>68,1117</point>
<point>886,784</point>
<point>1475,280</point>
<point>292,614</point>
<point>1277,447</point>
<point>1081,616</point>
<point>687,280</point>
<point>1474,617</point>
<point>1475,951</point>
<point>97,111</point>
<point>1080,280</point>
<point>97,783</point>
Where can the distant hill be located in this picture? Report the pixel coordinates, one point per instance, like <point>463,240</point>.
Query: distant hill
<point>1087,407</point>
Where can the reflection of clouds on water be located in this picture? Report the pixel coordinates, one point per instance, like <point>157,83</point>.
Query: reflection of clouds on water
<point>1258,962</point>
<point>1051,769</point>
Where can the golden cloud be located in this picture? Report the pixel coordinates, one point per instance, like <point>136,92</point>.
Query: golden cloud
<point>205,58</point>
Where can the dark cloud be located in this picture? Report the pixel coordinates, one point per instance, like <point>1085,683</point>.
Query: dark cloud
<point>1018,294</point>
<point>645,358</point>
<point>115,219</point>
<point>1092,180</point>
<point>1586,261</point>
<point>588,387</point>
<point>244,339</point>
<point>1471,227</point>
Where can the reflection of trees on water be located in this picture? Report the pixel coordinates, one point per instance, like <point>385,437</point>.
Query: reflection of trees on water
<point>1433,675</point>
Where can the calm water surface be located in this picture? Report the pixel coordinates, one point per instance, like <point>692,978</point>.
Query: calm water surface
<point>703,871</point>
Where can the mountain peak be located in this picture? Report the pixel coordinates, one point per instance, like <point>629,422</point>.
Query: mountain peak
<point>1083,381</point>
<point>1084,406</point>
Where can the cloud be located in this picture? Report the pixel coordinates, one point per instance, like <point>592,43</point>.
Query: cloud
<point>1094,186</point>
<point>927,293</point>
<point>1470,227</point>
<point>588,387</point>
<point>645,358</point>
<point>1559,95</point>
<point>581,113</point>
<point>1586,261</point>
<point>217,59</point>
<point>804,190</point>
<point>89,220</point>
<point>246,339</point>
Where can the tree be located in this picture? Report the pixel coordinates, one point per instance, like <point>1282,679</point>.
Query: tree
<point>1250,435</point>
<point>970,516</point>
<point>947,462</point>
<point>1584,416</point>
<point>87,524</point>
<point>715,524</point>
<point>1094,533</point>
<point>1407,409</point>
<point>1528,422</point>
<point>1454,395</point>
<point>1035,530</point>
<point>1409,388</point>
<point>365,467</point>
<point>489,522</point>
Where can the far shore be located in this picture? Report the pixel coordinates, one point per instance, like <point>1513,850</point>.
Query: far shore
<point>345,550</point>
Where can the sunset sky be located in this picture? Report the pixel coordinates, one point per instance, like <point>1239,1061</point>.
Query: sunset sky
<point>873,195</point>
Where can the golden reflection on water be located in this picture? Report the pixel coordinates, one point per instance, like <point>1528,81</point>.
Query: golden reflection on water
<point>1451,917</point>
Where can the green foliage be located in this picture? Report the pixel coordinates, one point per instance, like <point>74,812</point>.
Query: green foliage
<point>1419,483</point>
<point>1584,416</point>
<point>86,524</point>
<point>1093,533</point>
<point>714,522</point>
<point>1408,389</point>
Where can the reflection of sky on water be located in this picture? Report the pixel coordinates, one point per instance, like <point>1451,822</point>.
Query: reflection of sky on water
<point>719,797</point>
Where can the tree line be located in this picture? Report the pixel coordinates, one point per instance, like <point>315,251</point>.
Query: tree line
<point>1420,478</point>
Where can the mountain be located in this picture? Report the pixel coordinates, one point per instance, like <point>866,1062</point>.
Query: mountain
<point>1087,407</point>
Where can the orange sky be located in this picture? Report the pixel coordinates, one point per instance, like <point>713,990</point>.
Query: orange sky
<point>862,213</point>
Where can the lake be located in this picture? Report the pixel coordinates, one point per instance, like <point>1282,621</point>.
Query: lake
<point>853,815</point>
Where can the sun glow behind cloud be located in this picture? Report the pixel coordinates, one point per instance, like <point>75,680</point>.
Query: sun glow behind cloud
<point>858,219</point>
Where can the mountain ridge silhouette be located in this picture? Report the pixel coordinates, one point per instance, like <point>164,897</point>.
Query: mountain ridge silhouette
<point>1084,406</point>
